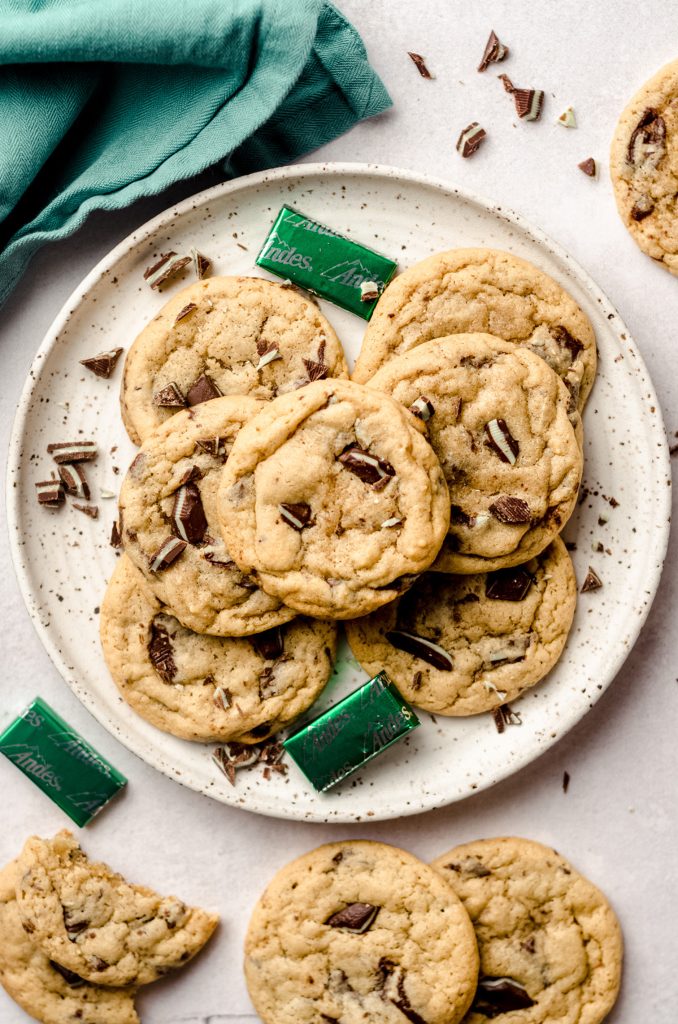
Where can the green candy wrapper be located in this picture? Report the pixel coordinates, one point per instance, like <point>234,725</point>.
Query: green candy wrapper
<point>60,762</point>
<point>323,262</point>
<point>348,735</point>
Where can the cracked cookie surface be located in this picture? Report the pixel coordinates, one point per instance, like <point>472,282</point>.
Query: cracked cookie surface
<point>360,933</point>
<point>540,925</point>
<point>466,291</point>
<point>500,422</point>
<point>247,335</point>
<point>644,167</point>
<point>47,993</point>
<point>500,633</point>
<point>209,688</point>
<point>203,586</point>
<point>91,921</point>
<point>333,497</point>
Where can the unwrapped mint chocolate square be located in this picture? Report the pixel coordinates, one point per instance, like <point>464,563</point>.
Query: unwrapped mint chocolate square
<point>348,735</point>
<point>60,762</point>
<point>318,259</point>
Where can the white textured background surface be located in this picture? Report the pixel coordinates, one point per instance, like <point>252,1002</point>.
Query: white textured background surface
<point>619,820</point>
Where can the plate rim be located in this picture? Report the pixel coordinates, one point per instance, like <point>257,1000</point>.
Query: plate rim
<point>136,237</point>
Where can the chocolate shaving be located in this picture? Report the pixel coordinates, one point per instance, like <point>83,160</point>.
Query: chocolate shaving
<point>233,756</point>
<point>420,64</point>
<point>70,977</point>
<point>470,139</point>
<point>367,467</point>
<point>74,481</point>
<point>356,917</point>
<point>89,510</point>
<point>188,514</point>
<point>167,553</point>
<point>315,371</point>
<point>161,654</point>
<point>510,510</point>
<point>269,644</point>
<point>508,584</point>
<point>72,451</point>
<point>421,647</point>
<point>495,996</point>
<point>202,390</point>
<point>169,397</point>
<point>186,311</point>
<point>592,581</point>
<point>494,52</point>
<point>501,441</point>
<point>103,364</point>
<point>297,515</point>
<point>588,166</point>
<point>503,716</point>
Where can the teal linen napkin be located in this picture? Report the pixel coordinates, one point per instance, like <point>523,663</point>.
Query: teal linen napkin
<point>105,101</point>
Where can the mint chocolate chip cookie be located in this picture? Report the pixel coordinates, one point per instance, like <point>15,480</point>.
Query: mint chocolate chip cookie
<point>334,499</point>
<point>482,290</point>
<point>225,336</point>
<point>45,990</point>
<point>460,645</point>
<point>90,921</point>
<point>360,933</point>
<point>209,688</point>
<point>644,167</point>
<point>170,527</point>
<point>550,944</point>
<point>503,427</point>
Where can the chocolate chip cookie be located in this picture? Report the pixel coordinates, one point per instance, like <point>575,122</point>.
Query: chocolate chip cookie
<point>502,425</point>
<point>644,167</point>
<point>360,933</point>
<point>170,527</point>
<point>225,336</point>
<point>333,497</point>
<point>92,922</point>
<point>459,645</point>
<point>48,992</point>
<point>550,944</point>
<point>203,687</point>
<point>482,290</point>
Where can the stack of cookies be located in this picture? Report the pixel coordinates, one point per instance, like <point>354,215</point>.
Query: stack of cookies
<point>421,500</point>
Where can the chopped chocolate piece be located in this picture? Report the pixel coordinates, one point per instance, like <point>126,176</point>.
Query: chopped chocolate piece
<point>510,510</point>
<point>494,52</point>
<point>566,781</point>
<point>498,437</point>
<point>203,390</point>
<point>422,408</point>
<point>70,977</point>
<point>169,397</point>
<point>233,756</point>
<point>103,364</point>
<point>528,102</point>
<point>459,517</point>
<point>647,144</point>
<point>529,945</point>
<point>72,451</point>
<point>588,166</point>
<point>167,553</point>
<point>495,996</point>
<point>420,647</point>
<point>297,515</point>
<point>508,584</point>
<point>369,291</point>
<point>223,698</point>
<point>161,654</point>
<point>200,264</point>
<point>503,716</point>
<point>315,371</point>
<point>169,265</point>
<point>368,468</point>
<point>471,866</point>
<point>218,556</point>
<point>72,926</point>
<point>470,139</point>
<point>74,480</point>
<point>50,493</point>
<point>512,650</point>
<point>392,983</point>
<point>186,311</point>
<point>116,535</point>
<point>191,474</point>
<point>591,582</point>
<point>270,644</point>
<point>99,964</point>
<point>89,510</point>
<point>214,446</point>
<point>567,118</point>
<point>188,515</point>
<point>562,337</point>
<point>420,65</point>
<point>642,208</point>
<point>268,356</point>
<point>356,917</point>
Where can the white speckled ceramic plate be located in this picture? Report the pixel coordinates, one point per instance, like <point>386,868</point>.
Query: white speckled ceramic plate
<point>63,559</point>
